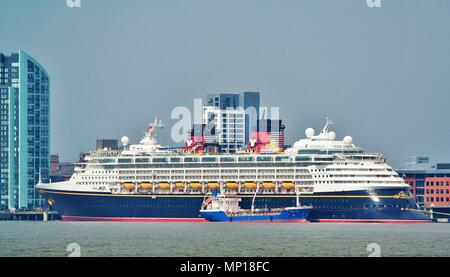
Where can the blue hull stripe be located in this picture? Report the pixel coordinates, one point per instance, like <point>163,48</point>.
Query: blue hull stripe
<point>388,204</point>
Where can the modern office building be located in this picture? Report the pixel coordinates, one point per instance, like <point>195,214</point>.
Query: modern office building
<point>235,116</point>
<point>24,130</point>
<point>230,125</point>
<point>430,183</point>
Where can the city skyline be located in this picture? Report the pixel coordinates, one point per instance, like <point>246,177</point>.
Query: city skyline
<point>378,73</point>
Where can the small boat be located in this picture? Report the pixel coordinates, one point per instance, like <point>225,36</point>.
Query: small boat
<point>225,208</point>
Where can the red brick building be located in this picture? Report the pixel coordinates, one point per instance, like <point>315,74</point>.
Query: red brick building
<point>54,163</point>
<point>437,191</point>
<point>431,186</point>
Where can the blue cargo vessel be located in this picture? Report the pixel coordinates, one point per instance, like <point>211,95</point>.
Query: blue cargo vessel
<point>225,208</point>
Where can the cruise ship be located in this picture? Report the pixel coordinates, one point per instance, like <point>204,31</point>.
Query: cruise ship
<point>146,182</point>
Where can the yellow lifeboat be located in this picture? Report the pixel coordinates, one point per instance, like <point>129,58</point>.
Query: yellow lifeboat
<point>213,185</point>
<point>195,185</point>
<point>129,186</point>
<point>232,185</point>
<point>146,186</point>
<point>288,185</point>
<point>269,185</point>
<point>250,185</point>
<point>164,186</point>
<point>179,185</point>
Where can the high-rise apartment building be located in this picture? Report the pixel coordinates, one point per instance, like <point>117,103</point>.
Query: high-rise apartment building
<point>234,115</point>
<point>24,130</point>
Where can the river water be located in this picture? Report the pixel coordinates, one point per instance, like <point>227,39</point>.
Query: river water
<point>222,239</point>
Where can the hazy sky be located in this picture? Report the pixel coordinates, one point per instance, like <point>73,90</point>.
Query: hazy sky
<point>381,74</point>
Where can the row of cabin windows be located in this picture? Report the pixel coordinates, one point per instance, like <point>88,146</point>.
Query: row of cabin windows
<point>221,159</point>
<point>96,178</point>
<point>359,169</point>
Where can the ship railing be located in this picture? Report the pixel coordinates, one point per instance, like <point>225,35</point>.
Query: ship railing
<point>105,153</point>
<point>242,212</point>
<point>361,155</point>
<point>79,167</point>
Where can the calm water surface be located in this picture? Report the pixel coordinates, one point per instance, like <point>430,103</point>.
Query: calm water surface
<point>222,239</point>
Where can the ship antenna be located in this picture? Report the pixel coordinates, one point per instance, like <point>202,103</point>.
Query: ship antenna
<point>327,126</point>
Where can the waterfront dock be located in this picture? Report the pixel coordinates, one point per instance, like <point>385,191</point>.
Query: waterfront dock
<point>29,216</point>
